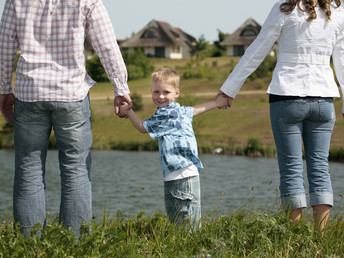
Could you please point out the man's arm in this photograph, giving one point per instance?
(104, 42)
(9, 46)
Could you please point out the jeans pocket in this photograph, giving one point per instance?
(292, 112)
(326, 111)
(69, 112)
(182, 203)
(183, 196)
(26, 111)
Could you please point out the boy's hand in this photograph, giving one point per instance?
(223, 101)
(124, 109)
(119, 100)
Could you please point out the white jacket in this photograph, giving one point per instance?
(304, 52)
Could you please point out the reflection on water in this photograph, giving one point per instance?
(132, 182)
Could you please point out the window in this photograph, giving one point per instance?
(239, 50)
(176, 50)
(249, 33)
(150, 35)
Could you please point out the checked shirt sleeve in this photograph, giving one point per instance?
(8, 47)
(104, 42)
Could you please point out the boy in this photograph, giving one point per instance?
(172, 126)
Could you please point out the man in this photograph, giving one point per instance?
(51, 92)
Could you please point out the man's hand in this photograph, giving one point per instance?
(7, 106)
(118, 102)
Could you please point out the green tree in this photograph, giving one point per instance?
(96, 70)
(218, 49)
(138, 64)
(202, 48)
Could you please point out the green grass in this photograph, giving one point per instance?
(241, 233)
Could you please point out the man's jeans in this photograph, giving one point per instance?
(311, 121)
(71, 122)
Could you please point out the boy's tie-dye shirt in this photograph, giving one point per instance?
(172, 126)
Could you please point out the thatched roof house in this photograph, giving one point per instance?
(237, 42)
(160, 39)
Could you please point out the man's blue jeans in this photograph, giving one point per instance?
(71, 122)
(311, 121)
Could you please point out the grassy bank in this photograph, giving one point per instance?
(239, 234)
(233, 130)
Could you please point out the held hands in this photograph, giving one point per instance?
(223, 101)
(119, 100)
(6, 106)
(124, 109)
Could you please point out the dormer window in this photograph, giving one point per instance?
(249, 32)
(150, 35)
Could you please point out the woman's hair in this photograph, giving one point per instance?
(166, 75)
(289, 6)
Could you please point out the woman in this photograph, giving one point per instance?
(301, 95)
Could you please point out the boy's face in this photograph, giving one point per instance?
(163, 94)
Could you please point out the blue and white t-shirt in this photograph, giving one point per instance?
(172, 126)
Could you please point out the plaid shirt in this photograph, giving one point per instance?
(50, 36)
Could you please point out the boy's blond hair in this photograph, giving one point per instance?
(166, 75)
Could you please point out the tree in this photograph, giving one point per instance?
(218, 49)
(202, 48)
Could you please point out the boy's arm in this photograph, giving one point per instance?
(202, 108)
(136, 121)
(126, 111)
(220, 102)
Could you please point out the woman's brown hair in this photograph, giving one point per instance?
(289, 6)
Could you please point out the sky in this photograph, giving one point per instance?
(195, 17)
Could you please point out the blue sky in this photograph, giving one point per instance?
(196, 17)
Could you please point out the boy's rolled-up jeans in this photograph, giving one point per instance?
(310, 120)
(183, 201)
(71, 122)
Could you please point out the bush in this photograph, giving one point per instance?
(265, 69)
(138, 66)
(188, 100)
(337, 155)
(254, 147)
(201, 71)
(96, 70)
(137, 101)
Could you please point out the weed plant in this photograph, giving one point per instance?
(241, 233)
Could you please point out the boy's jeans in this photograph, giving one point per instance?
(71, 122)
(312, 121)
(183, 201)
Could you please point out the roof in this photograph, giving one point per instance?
(244, 35)
(159, 34)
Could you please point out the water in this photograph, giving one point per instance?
(132, 182)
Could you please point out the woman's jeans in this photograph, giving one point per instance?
(310, 120)
(71, 122)
(183, 201)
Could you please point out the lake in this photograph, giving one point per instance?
(132, 182)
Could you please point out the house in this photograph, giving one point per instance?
(159, 39)
(237, 42)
